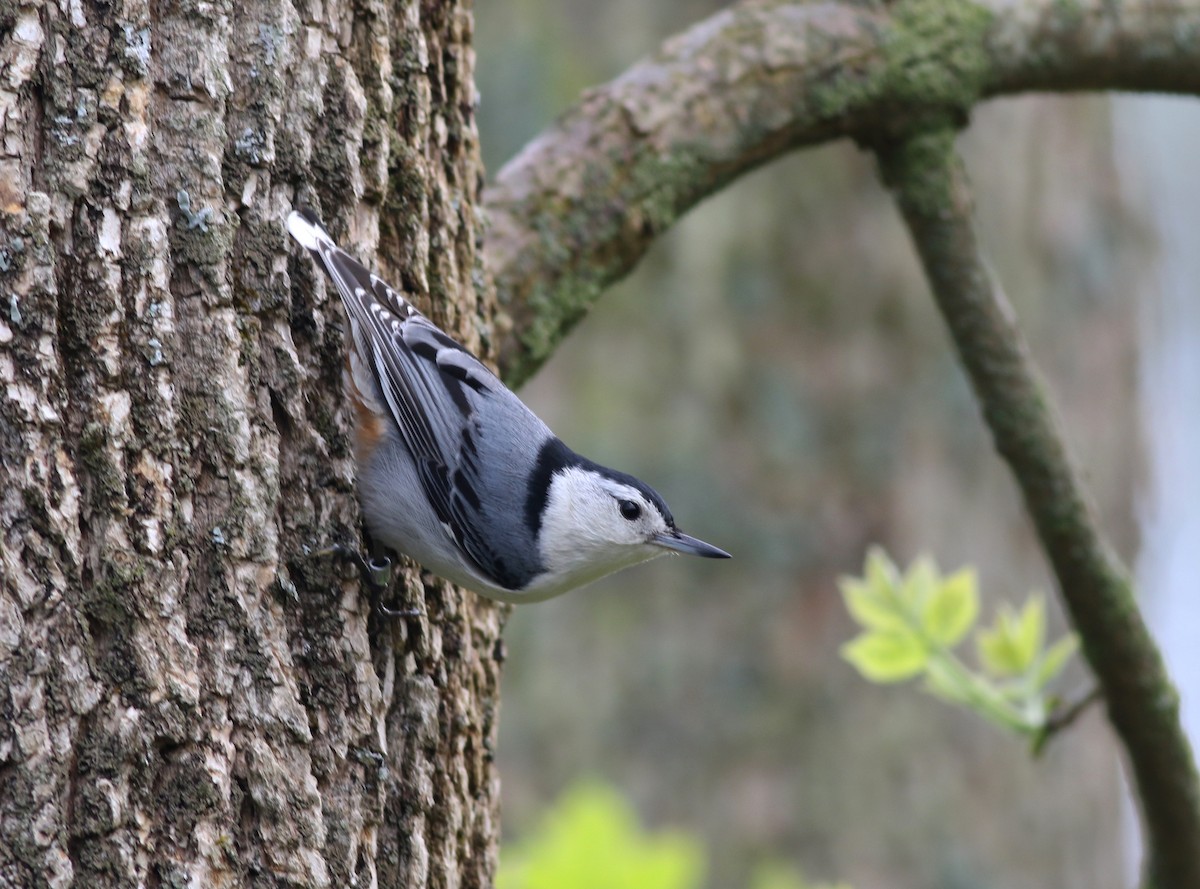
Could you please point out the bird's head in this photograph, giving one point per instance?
(597, 520)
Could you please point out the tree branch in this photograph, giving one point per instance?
(932, 191)
(578, 207)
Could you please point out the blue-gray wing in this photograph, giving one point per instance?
(449, 410)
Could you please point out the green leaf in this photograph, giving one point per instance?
(997, 648)
(1031, 630)
(883, 656)
(919, 584)
(882, 576)
(872, 610)
(951, 609)
(1055, 659)
(591, 839)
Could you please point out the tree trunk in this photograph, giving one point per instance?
(190, 696)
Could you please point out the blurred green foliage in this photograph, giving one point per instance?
(912, 622)
(591, 839)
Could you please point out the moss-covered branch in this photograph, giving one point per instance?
(931, 188)
(578, 208)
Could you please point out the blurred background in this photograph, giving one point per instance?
(777, 370)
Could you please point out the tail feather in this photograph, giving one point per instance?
(306, 228)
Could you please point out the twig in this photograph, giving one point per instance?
(1064, 717)
(931, 188)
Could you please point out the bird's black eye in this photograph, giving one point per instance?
(629, 509)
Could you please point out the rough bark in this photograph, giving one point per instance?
(189, 697)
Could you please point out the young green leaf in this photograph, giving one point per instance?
(919, 584)
(591, 839)
(1055, 658)
(999, 651)
(914, 620)
(951, 609)
(866, 605)
(886, 656)
(882, 576)
(1031, 630)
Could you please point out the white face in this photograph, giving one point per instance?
(593, 525)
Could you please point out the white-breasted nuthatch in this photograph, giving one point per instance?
(456, 472)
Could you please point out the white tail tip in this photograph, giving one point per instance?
(305, 228)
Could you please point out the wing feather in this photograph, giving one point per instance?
(432, 388)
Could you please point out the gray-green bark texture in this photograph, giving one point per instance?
(188, 696)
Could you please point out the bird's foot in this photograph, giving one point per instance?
(376, 574)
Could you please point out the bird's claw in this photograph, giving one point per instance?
(377, 571)
(376, 574)
(387, 611)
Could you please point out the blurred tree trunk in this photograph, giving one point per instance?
(188, 696)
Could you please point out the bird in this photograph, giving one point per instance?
(454, 471)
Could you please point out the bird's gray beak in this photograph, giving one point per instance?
(689, 546)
